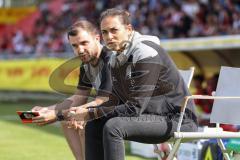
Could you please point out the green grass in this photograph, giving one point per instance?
(27, 141)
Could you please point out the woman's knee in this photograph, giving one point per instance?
(113, 128)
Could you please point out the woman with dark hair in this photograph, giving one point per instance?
(149, 88)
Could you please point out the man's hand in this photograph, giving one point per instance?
(75, 124)
(77, 117)
(46, 116)
(81, 113)
(39, 109)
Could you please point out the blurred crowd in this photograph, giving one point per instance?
(163, 18)
(204, 87)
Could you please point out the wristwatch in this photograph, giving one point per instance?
(60, 116)
(91, 113)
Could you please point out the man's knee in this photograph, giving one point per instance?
(64, 125)
(81, 132)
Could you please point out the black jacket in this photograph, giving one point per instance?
(145, 81)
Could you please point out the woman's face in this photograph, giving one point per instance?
(114, 32)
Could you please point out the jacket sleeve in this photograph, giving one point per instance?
(144, 83)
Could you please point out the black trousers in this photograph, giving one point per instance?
(104, 138)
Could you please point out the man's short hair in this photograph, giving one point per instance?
(82, 24)
(122, 14)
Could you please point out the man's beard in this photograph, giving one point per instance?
(93, 61)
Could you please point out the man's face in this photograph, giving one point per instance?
(84, 45)
(114, 32)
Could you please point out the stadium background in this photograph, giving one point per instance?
(204, 34)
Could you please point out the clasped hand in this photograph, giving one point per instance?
(77, 117)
